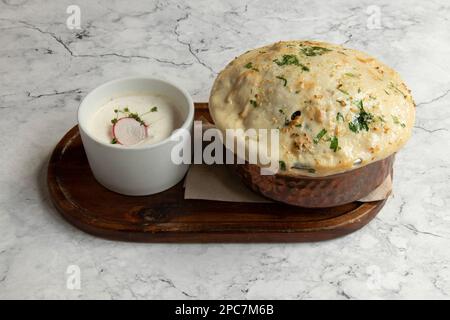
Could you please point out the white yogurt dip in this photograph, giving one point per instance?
(153, 115)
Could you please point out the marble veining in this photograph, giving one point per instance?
(46, 69)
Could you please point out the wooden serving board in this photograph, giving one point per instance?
(168, 217)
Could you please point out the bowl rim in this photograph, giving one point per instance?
(330, 176)
(186, 123)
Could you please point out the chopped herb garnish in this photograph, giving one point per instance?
(287, 60)
(250, 66)
(363, 119)
(113, 141)
(339, 116)
(153, 109)
(281, 111)
(397, 121)
(319, 136)
(134, 115)
(334, 144)
(314, 51)
(393, 86)
(283, 79)
(253, 103)
(290, 59)
(282, 165)
(359, 104)
(349, 74)
(343, 91)
(298, 125)
(353, 127)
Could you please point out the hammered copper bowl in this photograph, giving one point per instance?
(317, 192)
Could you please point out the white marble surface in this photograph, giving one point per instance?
(46, 69)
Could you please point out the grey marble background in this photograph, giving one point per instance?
(46, 68)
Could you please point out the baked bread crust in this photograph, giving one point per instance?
(336, 108)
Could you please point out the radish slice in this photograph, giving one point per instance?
(128, 131)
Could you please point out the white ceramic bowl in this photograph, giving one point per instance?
(140, 170)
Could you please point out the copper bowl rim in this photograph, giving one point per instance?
(331, 176)
(317, 192)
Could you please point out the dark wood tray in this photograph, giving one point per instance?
(168, 217)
